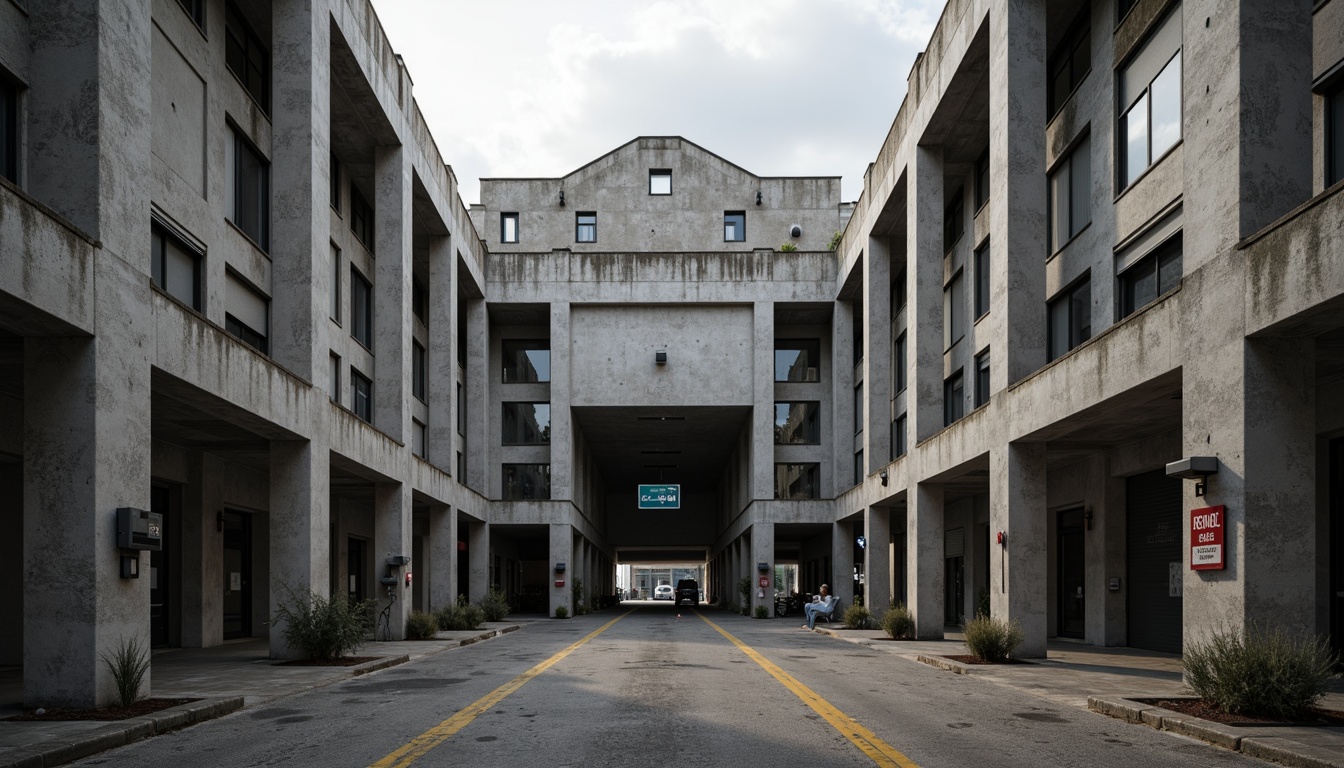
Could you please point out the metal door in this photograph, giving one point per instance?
(1071, 578)
(1153, 529)
(237, 575)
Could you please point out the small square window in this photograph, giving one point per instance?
(527, 481)
(175, 266)
(798, 423)
(734, 226)
(508, 227)
(660, 181)
(797, 359)
(9, 130)
(585, 227)
(526, 424)
(526, 360)
(797, 481)
(419, 371)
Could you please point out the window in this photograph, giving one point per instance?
(461, 468)
(982, 281)
(858, 333)
(195, 11)
(526, 424)
(1150, 101)
(1122, 8)
(527, 361)
(982, 378)
(954, 398)
(585, 227)
(248, 190)
(462, 326)
(900, 363)
(420, 301)
(954, 220)
(418, 438)
(898, 437)
(1070, 62)
(246, 313)
(1071, 195)
(362, 399)
(9, 130)
(660, 181)
(858, 408)
(797, 481)
(898, 297)
(361, 309)
(1151, 276)
(734, 226)
(246, 57)
(334, 171)
(797, 359)
(1334, 135)
(859, 469)
(335, 383)
(1070, 318)
(335, 283)
(982, 180)
(419, 371)
(798, 423)
(508, 227)
(527, 481)
(361, 218)
(175, 266)
(954, 305)
(461, 412)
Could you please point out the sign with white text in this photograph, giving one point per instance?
(660, 497)
(1206, 539)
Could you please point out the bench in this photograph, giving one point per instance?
(829, 617)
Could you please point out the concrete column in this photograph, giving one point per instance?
(441, 431)
(1017, 194)
(735, 571)
(442, 571)
(562, 551)
(842, 563)
(300, 187)
(763, 401)
(300, 533)
(924, 291)
(1109, 517)
(924, 558)
(842, 402)
(201, 553)
(877, 380)
(1017, 578)
(86, 453)
(579, 573)
(763, 551)
(478, 396)
(478, 551)
(392, 536)
(392, 292)
(877, 559)
(562, 437)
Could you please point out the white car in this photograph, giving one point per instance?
(662, 592)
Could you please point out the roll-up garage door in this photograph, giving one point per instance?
(1153, 535)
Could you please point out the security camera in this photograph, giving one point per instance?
(795, 231)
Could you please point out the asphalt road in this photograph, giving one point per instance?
(653, 689)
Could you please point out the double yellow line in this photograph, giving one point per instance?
(880, 752)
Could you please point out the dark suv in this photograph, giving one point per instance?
(688, 591)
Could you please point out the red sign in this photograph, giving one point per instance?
(1206, 539)
(765, 582)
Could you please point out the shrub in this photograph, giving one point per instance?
(1263, 672)
(744, 589)
(561, 612)
(858, 617)
(473, 616)
(129, 662)
(322, 628)
(460, 616)
(421, 626)
(992, 639)
(495, 605)
(762, 612)
(788, 248)
(898, 623)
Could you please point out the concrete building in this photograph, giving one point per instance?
(238, 288)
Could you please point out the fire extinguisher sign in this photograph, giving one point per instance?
(1206, 539)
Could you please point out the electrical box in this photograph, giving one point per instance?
(398, 560)
(139, 529)
(559, 567)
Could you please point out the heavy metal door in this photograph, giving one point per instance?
(1071, 574)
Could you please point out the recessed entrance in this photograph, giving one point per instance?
(1072, 578)
(237, 575)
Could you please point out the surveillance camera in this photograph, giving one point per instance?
(795, 231)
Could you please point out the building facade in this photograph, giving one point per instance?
(238, 288)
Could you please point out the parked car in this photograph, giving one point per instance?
(662, 592)
(688, 592)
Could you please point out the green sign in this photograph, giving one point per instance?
(660, 497)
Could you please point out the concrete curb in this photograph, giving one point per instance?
(117, 734)
(1248, 741)
(377, 664)
(948, 664)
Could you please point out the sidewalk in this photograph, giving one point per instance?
(225, 678)
(1107, 680)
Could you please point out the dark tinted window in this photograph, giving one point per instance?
(526, 360)
(1152, 276)
(247, 57)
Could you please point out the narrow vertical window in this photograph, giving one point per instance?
(334, 168)
(954, 220)
(1070, 189)
(247, 57)
(361, 309)
(461, 412)
(418, 438)
(660, 181)
(858, 408)
(246, 313)
(362, 400)
(361, 218)
(419, 371)
(900, 363)
(249, 190)
(898, 437)
(335, 283)
(1070, 62)
(9, 130)
(1334, 135)
(982, 180)
(1069, 317)
(954, 398)
(335, 376)
(954, 307)
(1150, 100)
(982, 378)
(982, 281)
(508, 227)
(420, 301)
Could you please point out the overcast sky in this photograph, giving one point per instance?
(779, 87)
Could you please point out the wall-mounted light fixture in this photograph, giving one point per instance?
(1197, 468)
(762, 567)
(562, 198)
(883, 477)
(660, 357)
(758, 197)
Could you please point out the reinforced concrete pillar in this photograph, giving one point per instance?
(877, 560)
(441, 431)
(924, 291)
(562, 436)
(842, 562)
(562, 551)
(478, 553)
(392, 537)
(763, 401)
(763, 551)
(442, 570)
(201, 548)
(877, 349)
(392, 292)
(1017, 577)
(924, 558)
(477, 390)
(300, 532)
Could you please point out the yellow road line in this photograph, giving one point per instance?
(877, 750)
(417, 747)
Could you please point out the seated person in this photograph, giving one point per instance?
(821, 604)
